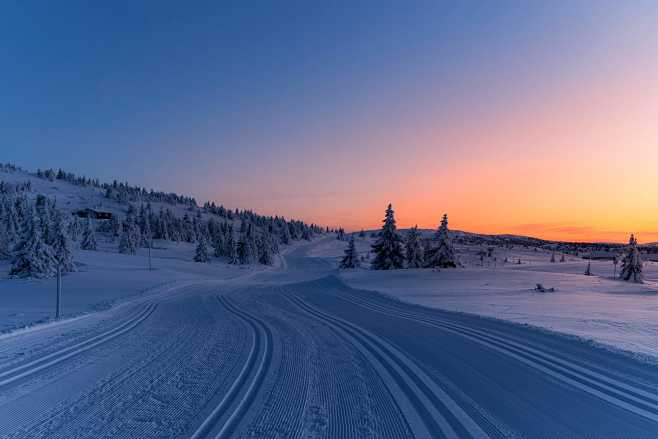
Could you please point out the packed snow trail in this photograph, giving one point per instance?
(296, 353)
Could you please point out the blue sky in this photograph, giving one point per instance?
(284, 106)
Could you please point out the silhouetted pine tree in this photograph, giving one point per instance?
(388, 247)
(443, 256)
(413, 249)
(631, 264)
(351, 257)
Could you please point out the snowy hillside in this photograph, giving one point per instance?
(115, 264)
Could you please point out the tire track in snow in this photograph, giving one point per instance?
(138, 401)
(607, 388)
(428, 409)
(24, 370)
(261, 347)
(335, 393)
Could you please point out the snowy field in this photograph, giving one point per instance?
(104, 278)
(598, 308)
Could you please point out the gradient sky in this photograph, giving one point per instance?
(538, 118)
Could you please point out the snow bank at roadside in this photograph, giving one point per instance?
(601, 309)
(104, 278)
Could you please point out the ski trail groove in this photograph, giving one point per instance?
(261, 344)
(30, 368)
(427, 407)
(622, 395)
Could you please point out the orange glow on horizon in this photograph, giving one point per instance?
(580, 166)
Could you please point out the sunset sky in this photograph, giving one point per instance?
(536, 118)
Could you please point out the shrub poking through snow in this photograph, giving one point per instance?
(351, 258)
(631, 264)
(388, 247)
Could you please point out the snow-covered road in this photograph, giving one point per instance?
(296, 353)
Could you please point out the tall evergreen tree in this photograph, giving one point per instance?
(128, 241)
(61, 245)
(88, 237)
(232, 246)
(351, 257)
(443, 256)
(147, 233)
(32, 256)
(202, 254)
(388, 247)
(5, 244)
(265, 256)
(631, 264)
(413, 249)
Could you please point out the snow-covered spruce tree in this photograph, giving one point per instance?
(631, 264)
(219, 244)
(233, 257)
(88, 237)
(6, 241)
(414, 249)
(11, 224)
(147, 234)
(265, 254)
(128, 240)
(388, 247)
(32, 256)
(201, 254)
(351, 257)
(61, 245)
(246, 247)
(443, 256)
(5, 245)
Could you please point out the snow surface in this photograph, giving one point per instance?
(598, 308)
(292, 351)
(301, 349)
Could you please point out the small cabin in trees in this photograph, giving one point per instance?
(93, 214)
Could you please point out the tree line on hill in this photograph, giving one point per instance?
(37, 236)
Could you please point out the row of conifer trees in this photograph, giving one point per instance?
(37, 236)
(392, 251)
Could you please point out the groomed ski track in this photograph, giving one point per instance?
(296, 353)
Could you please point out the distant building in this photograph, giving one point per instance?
(94, 214)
